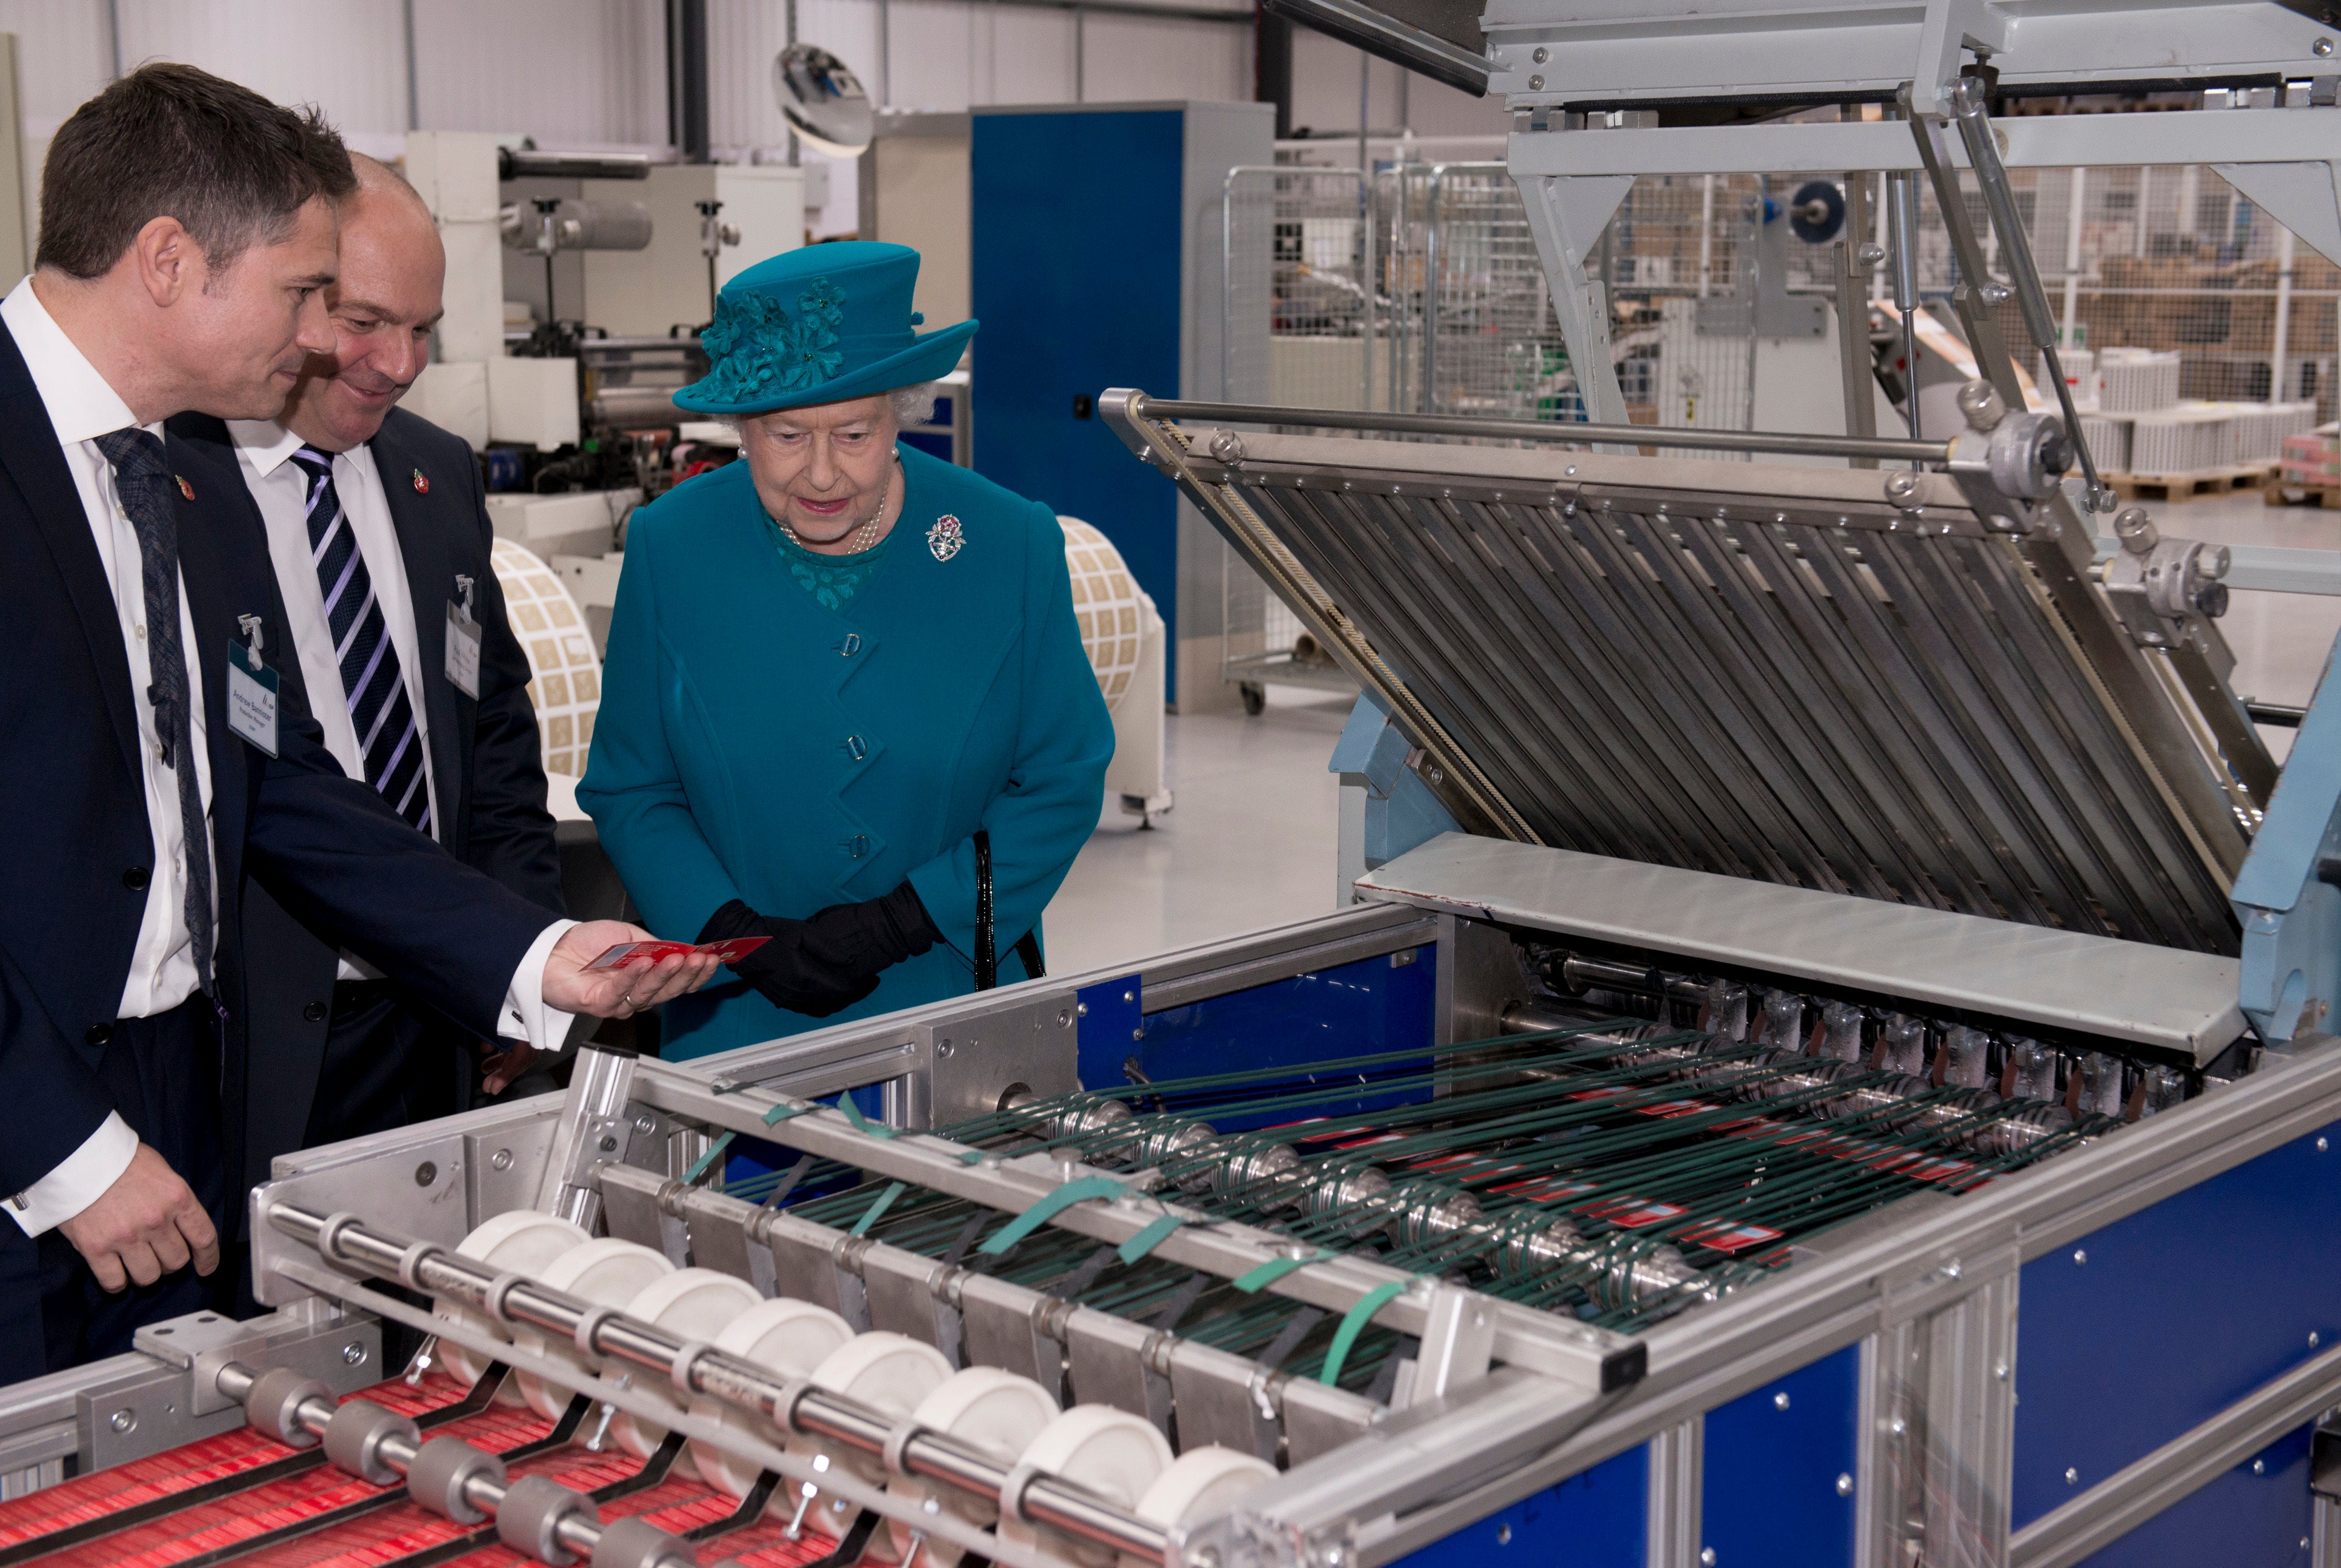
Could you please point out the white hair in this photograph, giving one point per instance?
(912, 405)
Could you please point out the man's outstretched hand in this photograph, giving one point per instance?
(147, 1225)
(615, 993)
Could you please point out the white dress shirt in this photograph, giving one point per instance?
(82, 406)
(265, 449)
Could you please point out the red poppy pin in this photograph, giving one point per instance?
(421, 485)
(184, 488)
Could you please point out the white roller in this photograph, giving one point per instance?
(523, 1242)
(1205, 1481)
(608, 1273)
(1111, 1452)
(986, 1408)
(692, 1304)
(781, 1335)
(564, 682)
(891, 1373)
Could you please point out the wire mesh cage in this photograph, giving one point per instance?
(2197, 333)
(1301, 256)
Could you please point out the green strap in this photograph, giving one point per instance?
(1353, 1323)
(1048, 1209)
(782, 1113)
(862, 1124)
(698, 1166)
(1153, 1236)
(870, 1215)
(1276, 1268)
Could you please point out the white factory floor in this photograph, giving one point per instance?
(1250, 843)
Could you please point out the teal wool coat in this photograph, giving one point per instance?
(754, 744)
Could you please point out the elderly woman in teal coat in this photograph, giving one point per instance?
(841, 673)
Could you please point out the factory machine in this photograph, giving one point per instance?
(1852, 1088)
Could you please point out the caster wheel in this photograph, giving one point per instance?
(1255, 697)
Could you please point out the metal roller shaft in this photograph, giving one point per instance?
(1896, 1103)
(1624, 1272)
(348, 1241)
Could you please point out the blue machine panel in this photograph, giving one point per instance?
(1374, 1005)
(2177, 1312)
(1074, 273)
(1773, 1460)
(2244, 1519)
(1595, 1519)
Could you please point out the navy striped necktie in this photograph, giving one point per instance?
(379, 706)
(144, 486)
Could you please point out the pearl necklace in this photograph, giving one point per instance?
(863, 537)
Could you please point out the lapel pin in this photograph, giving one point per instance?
(945, 538)
(421, 485)
(184, 488)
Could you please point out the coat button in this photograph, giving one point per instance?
(98, 1033)
(856, 748)
(135, 878)
(858, 846)
(850, 646)
(314, 1012)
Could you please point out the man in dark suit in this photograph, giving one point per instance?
(149, 764)
(383, 511)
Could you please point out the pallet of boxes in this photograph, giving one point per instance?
(2310, 473)
(2151, 444)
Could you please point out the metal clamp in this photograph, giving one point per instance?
(421, 1253)
(589, 1326)
(530, 1517)
(356, 1435)
(679, 1372)
(493, 1302)
(896, 1440)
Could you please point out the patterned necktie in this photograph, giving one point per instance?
(146, 490)
(379, 706)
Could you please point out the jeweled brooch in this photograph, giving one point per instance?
(945, 538)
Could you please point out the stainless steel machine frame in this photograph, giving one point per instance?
(1927, 1289)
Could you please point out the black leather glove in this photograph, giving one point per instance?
(820, 966)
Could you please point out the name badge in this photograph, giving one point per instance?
(251, 698)
(462, 651)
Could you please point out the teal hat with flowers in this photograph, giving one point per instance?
(825, 324)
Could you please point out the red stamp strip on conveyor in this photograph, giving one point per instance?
(402, 1528)
(676, 1504)
(184, 1468)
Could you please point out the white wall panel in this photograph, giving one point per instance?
(346, 56)
(570, 73)
(1032, 55)
(1325, 95)
(934, 41)
(1136, 58)
(63, 55)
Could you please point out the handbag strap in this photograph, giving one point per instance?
(986, 963)
(987, 959)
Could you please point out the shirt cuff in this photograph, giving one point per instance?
(79, 1182)
(524, 1015)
